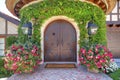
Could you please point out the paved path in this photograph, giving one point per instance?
(79, 73)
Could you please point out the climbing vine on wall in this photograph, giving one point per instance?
(81, 12)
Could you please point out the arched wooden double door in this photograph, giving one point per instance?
(60, 42)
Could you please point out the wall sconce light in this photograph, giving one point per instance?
(27, 28)
(92, 28)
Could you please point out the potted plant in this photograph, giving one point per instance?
(96, 58)
(22, 58)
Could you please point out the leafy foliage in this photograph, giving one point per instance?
(115, 75)
(96, 56)
(22, 58)
(10, 40)
(81, 12)
(3, 71)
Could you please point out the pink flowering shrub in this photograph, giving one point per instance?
(97, 57)
(22, 60)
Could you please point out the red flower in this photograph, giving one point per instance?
(110, 55)
(98, 56)
(19, 53)
(22, 49)
(26, 57)
(98, 64)
(33, 51)
(102, 61)
(16, 59)
(83, 51)
(14, 47)
(9, 55)
(81, 58)
(14, 66)
(84, 62)
(90, 52)
(96, 50)
(88, 65)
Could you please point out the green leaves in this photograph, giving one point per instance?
(81, 12)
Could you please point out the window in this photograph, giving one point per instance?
(114, 16)
(2, 46)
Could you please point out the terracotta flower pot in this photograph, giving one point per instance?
(93, 70)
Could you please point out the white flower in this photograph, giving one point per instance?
(112, 67)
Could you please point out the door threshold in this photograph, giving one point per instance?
(60, 62)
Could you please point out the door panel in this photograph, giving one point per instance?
(51, 47)
(60, 42)
(68, 42)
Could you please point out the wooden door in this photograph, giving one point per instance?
(60, 42)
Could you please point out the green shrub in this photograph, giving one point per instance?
(10, 40)
(3, 71)
(115, 75)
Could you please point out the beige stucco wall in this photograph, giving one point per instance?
(2, 26)
(12, 28)
(113, 40)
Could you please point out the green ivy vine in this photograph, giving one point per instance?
(81, 12)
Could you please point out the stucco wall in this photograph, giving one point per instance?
(113, 40)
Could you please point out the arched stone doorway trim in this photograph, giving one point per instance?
(54, 18)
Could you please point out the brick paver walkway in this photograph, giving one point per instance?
(79, 73)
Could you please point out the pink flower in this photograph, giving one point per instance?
(110, 55)
(90, 52)
(38, 62)
(14, 47)
(105, 49)
(16, 59)
(112, 60)
(18, 72)
(89, 57)
(6, 66)
(96, 50)
(98, 56)
(14, 66)
(81, 58)
(82, 50)
(9, 55)
(88, 65)
(26, 57)
(98, 64)
(19, 53)
(102, 61)
(22, 49)
(84, 62)
(33, 51)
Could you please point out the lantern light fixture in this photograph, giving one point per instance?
(27, 28)
(92, 28)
